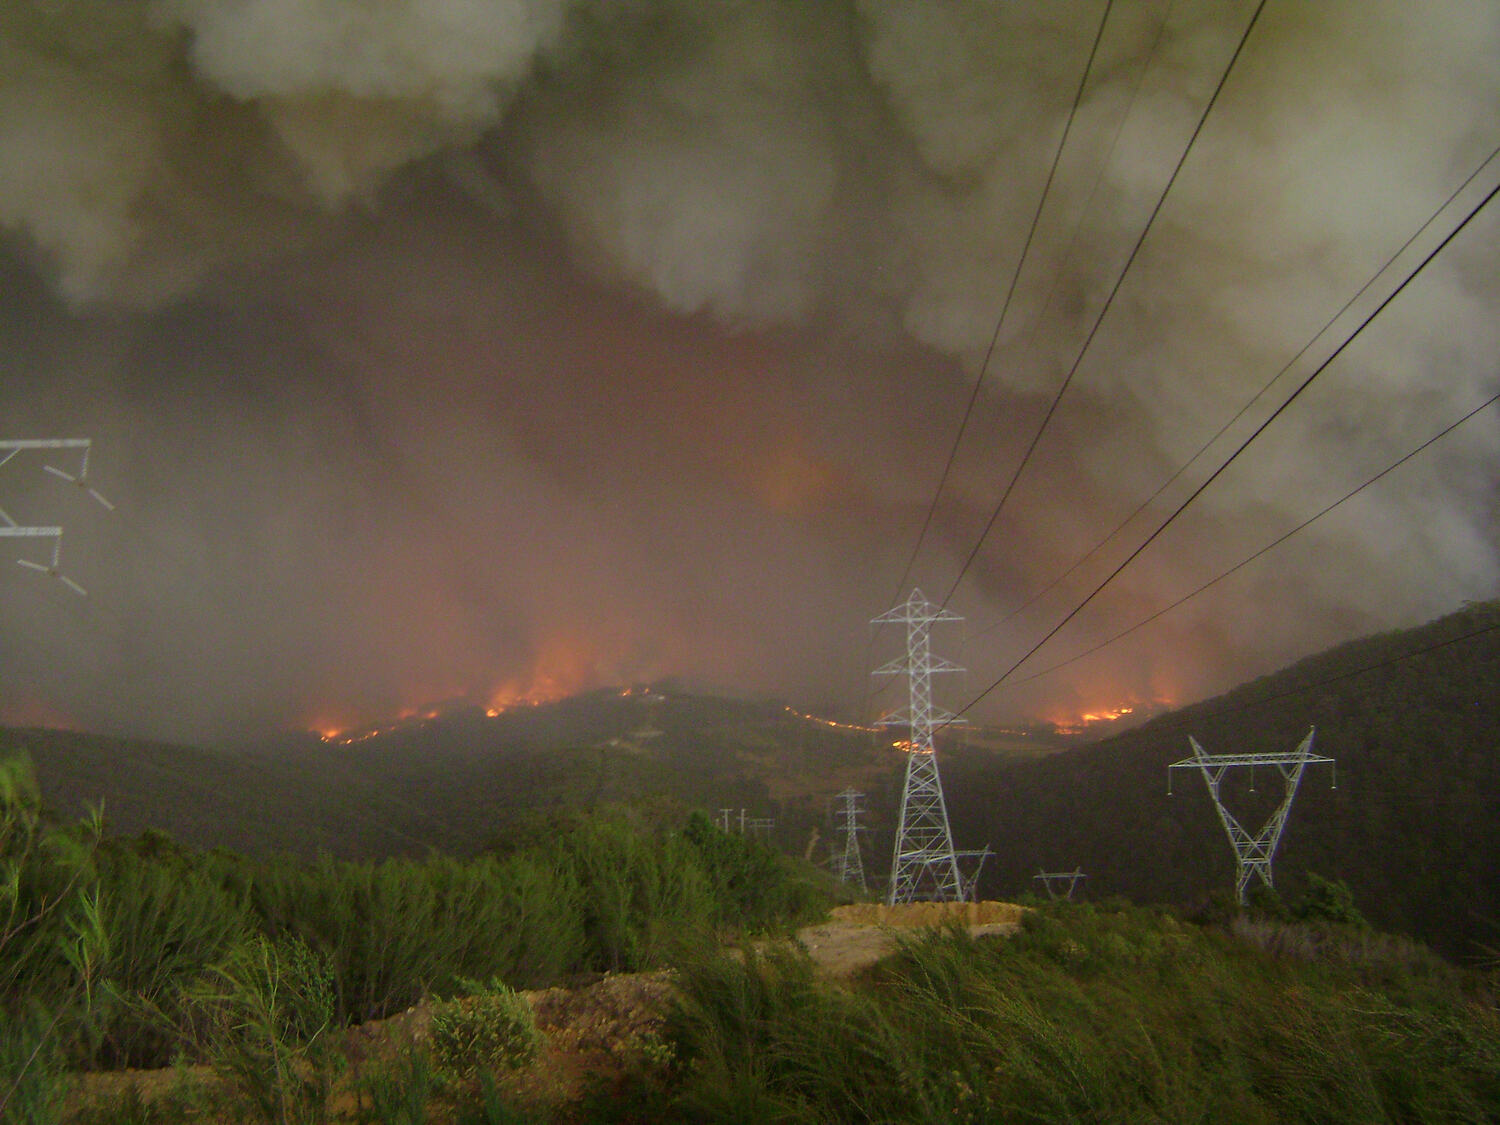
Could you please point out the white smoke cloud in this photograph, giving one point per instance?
(656, 270)
(356, 91)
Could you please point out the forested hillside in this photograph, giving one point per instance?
(458, 781)
(1413, 721)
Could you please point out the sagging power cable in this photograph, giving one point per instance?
(1222, 430)
(1010, 293)
(1278, 541)
(1108, 303)
(1397, 291)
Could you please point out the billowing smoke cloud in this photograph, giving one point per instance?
(472, 349)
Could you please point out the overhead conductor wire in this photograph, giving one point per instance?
(1242, 447)
(1204, 448)
(995, 336)
(1108, 303)
(1005, 306)
(1278, 541)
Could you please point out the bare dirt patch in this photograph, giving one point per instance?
(858, 935)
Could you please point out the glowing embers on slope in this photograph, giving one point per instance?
(1097, 719)
(907, 746)
(830, 723)
(502, 702)
(413, 717)
(404, 720)
(510, 697)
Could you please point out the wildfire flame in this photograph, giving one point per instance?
(831, 723)
(907, 746)
(563, 668)
(1084, 721)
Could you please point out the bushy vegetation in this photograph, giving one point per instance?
(1089, 1014)
(143, 953)
(492, 1027)
(136, 953)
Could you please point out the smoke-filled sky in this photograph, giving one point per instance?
(478, 349)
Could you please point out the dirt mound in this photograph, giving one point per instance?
(929, 914)
(860, 934)
(624, 1008)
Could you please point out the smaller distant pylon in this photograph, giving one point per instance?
(850, 866)
(1060, 884)
(1252, 853)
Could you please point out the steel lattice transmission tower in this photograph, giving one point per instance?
(850, 866)
(1060, 884)
(923, 864)
(10, 529)
(1252, 852)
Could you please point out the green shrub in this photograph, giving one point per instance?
(268, 1012)
(643, 898)
(1330, 901)
(1087, 1014)
(32, 1080)
(52, 942)
(399, 1092)
(397, 930)
(488, 1031)
(753, 885)
(168, 920)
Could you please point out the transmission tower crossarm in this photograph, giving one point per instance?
(1253, 851)
(900, 666)
(1212, 760)
(1201, 758)
(10, 528)
(18, 444)
(915, 610)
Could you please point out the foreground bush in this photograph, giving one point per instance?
(491, 1029)
(266, 1028)
(113, 948)
(1085, 1015)
(52, 943)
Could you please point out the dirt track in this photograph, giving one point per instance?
(859, 935)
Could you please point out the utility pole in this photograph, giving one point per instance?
(923, 864)
(1252, 853)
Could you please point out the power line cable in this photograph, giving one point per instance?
(1243, 446)
(995, 336)
(1108, 303)
(1050, 586)
(1264, 550)
(1005, 305)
